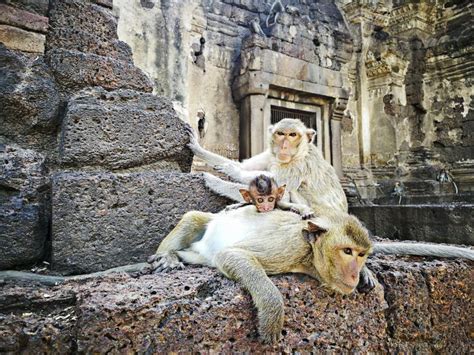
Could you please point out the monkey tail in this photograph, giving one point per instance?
(424, 249)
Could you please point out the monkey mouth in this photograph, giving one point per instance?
(284, 158)
(344, 287)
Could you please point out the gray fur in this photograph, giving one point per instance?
(424, 249)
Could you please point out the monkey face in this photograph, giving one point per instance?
(340, 253)
(286, 142)
(265, 203)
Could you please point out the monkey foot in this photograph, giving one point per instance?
(164, 262)
(367, 281)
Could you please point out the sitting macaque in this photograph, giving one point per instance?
(266, 195)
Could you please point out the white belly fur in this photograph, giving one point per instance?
(229, 228)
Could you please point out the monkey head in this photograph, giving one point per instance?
(340, 249)
(290, 139)
(263, 192)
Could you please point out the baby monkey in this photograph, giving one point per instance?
(266, 195)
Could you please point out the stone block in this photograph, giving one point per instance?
(21, 40)
(24, 19)
(85, 27)
(75, 70)
(105, 220)
(23, 233)
(29, 97)
(23, 215)
(37, 6)
(122, 129)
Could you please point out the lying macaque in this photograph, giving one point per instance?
(266, 195)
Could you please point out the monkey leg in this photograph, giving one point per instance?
(243, 267)
(190, 228)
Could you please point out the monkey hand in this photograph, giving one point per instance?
(367, 281)
(193, 140)
(232, 170)
(270, 322)
(164, 262)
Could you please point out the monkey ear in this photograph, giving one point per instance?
(281, 191)
(246, 195)
(313, 231)
(311, 134)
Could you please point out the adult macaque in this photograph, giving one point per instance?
(264, 193)
(291, 158)
(246, 246)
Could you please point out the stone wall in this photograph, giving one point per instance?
(88, 154)
(412, 103)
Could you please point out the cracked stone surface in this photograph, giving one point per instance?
(421, 305)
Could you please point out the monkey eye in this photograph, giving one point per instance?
(292, 134)
(271, 199)
(280, 133)
(347, 251)
(259, 200)
(362, 254)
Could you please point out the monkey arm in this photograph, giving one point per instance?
(224, 188)
(424, 249)
(190, 228)
(236, 205)
(303, 210)
(239, 265)
(209, 157)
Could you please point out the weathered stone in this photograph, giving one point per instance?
(23, 215)
(85, 27)
(441, 223)
(197, 310)
(122, 129)
(19, 18)
(18, 39)
(28, 95)
(106, 220)
(38, 6)
(75, 70)
(23, 233)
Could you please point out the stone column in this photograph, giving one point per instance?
(338, 111)
(252, 123)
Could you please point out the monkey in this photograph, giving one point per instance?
(256, 28)
(275, 10)
(247, 246)
(291, 158)
(264, 193)
(399, 190)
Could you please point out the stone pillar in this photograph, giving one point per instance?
(326, 135)
(338, 111)
(252, 125)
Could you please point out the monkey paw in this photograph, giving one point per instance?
(229, 169)
(367, 281)
(193, 140)
(303, 211)
(164, 262)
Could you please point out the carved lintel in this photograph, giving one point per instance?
(412, 18)
(360, 11)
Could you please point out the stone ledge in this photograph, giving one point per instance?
(425, 306)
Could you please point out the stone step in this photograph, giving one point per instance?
(104, 220)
